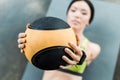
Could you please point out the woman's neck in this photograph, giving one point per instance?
(79, 37)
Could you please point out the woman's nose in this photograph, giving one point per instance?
(78, 15)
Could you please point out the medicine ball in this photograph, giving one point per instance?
(45, 42)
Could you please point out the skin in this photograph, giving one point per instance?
(78, 18)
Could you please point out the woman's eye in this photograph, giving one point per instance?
(84, 13)
(73, 10)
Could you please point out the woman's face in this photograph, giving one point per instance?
(78, 15)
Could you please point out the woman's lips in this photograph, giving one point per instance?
(75, 22)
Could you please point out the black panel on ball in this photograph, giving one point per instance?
(49, 23)
(50, 58)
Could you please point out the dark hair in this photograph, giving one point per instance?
(90, 5)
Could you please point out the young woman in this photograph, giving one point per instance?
(80, 14)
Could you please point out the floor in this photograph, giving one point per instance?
(13, 17)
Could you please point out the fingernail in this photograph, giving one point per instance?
(71, 43)
(66, 49)
(63, 57)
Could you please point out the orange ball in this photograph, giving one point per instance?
(45, 42)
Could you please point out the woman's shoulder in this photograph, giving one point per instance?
(94, 47)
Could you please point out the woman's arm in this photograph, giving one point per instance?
(92, 51)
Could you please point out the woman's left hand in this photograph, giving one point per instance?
(76, 55)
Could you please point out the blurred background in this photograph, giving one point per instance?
(14, 14)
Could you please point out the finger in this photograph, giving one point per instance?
(78, 40)
(21, 40)
(72, 55)
(22, 51)
(21, 35)
(21, 46)
(28, 25)
(76, 49)
(70, 62)
(65, 67)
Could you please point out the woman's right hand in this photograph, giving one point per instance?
(21, 40)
